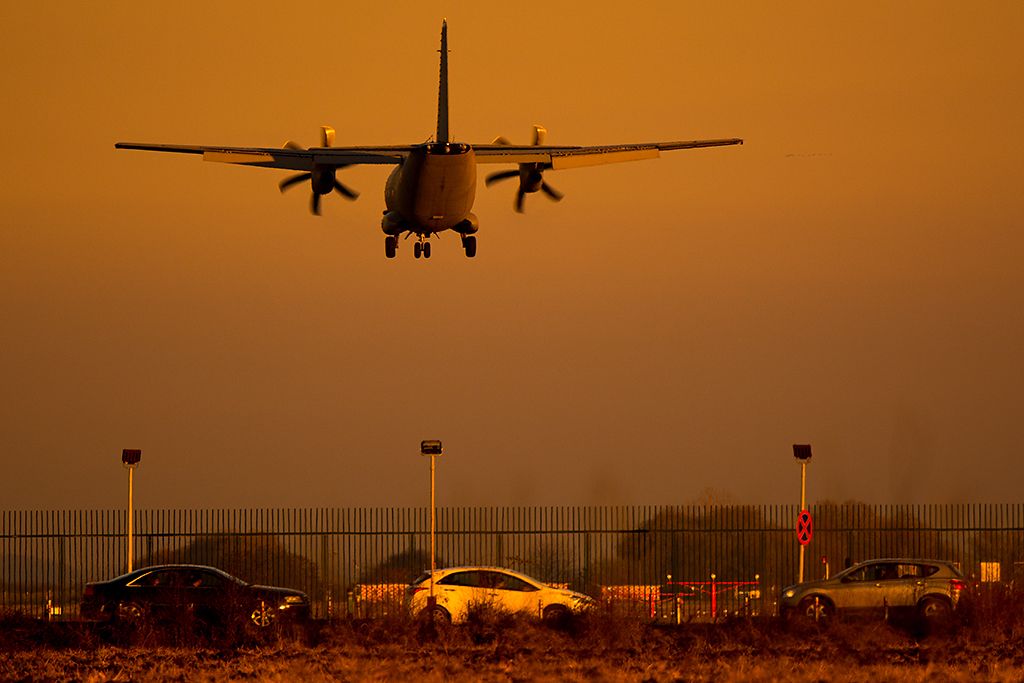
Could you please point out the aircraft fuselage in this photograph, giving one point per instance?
(432, 190)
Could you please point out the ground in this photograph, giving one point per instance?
(508, 648)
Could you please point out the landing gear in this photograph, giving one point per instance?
(469, 244)
(421, 248)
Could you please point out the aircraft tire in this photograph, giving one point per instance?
(470, 244)
(417, 249)
(426, 250)
(390, 246)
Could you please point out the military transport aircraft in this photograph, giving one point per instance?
(433, 184)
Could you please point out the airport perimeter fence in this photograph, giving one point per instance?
(682, 562)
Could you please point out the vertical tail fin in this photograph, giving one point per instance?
(442, 90)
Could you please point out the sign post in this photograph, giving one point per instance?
(802, 452)
(130, 458)
(432, 449)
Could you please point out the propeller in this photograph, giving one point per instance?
(322, 178)
(531, 175)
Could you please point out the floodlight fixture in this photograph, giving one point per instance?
(802, 451)
(130, 458)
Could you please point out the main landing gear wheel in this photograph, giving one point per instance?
(426, 250)
(469, 244)
(390, 246)
(417, 249)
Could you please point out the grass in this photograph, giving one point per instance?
(495, 646)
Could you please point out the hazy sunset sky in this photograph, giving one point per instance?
(851, 277)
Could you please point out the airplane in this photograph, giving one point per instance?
(433, 185)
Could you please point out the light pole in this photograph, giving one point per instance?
(130, 458)
(432, 449)
(802, 452)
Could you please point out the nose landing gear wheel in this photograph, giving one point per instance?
(469, 244)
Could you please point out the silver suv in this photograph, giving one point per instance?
(929, 589)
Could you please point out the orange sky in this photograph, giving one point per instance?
(851, 277)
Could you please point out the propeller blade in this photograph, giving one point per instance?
(551, 192)
(292, 180)
(519, 200)
(314, 204)
(500, 175)
(501, 140)
(345, 191)
(291, 144)
(326, 136)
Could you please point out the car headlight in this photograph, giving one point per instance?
(790, 593)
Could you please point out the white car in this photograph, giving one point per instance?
(458, 589)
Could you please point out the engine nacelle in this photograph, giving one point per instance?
(392, 223)
(531, 176)
(468, 226)
(322, 179)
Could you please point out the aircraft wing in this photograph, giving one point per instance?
(573, 157)
(287, 157)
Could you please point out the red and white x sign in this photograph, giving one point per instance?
(804, 527)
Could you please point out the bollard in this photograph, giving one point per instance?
(714, 599)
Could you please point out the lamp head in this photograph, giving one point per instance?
(431, 447)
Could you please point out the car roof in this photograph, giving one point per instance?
(905, 560)
(161, 567)
(477, 568)
(153, 567)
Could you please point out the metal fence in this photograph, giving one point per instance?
(704, 561)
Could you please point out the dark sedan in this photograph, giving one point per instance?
(169, 593)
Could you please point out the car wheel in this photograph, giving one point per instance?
(438, 615)
(815, 608)
(555, 614)
(934, 610)
(262, 615)
(131, 612)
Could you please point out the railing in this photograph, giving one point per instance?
(337, 555)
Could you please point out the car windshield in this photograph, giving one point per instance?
(849, 570)
(420, 579)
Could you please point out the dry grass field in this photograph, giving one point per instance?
(988, 646)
